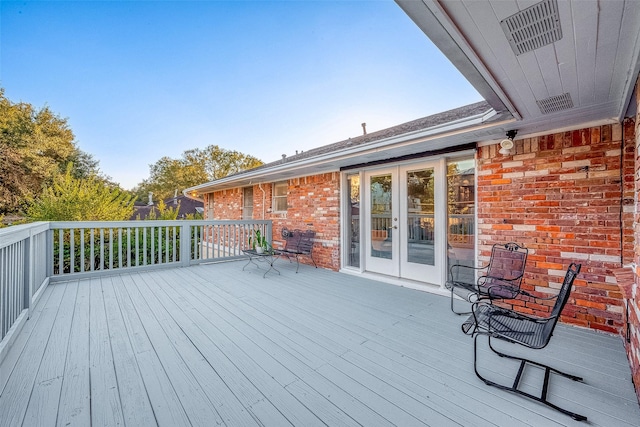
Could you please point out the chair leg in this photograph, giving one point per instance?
(514, 388)
(298, 261)
(541, 365)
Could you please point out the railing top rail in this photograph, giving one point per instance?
(146, 223)
(16, 233)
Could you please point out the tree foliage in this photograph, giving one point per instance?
(34, 146)
(194, 167)
(85, 199)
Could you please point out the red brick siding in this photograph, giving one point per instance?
(560, 196)
(631, 286)
(227, 204)
(313, 203)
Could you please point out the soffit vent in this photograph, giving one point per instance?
(555, 103)
(533, 27)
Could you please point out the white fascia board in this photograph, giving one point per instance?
(456, 127)
(583, 125)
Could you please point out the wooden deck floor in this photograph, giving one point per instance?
(215, 345)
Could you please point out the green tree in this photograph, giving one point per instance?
(34, 146)
(89, 199)
(194, 167)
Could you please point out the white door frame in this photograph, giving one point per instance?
(398, 265)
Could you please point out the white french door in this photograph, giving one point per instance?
(404, 224)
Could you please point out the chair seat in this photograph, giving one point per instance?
(505, 324)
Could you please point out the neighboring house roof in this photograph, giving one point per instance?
(187, 205)
(581, 73)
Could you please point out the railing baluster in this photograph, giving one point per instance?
(101, 249)
(207, 231)
(175, 238)
(196, 240)
(128, 246)
(10, 298)
(110, 248)
(119, 247)
(137, 245)
(72, 251)
(82, 256)
(166, 239)
(3, 286)
(60, 251)
(92, 254)
(152, 244)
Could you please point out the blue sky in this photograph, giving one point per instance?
(139, 80)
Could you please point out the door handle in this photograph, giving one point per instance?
(395, 227)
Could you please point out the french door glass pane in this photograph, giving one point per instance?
(420, 216)
(353, 221)
(381, 197)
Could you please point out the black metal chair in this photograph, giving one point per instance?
(500, 279)
(507, 325)
(298, 243)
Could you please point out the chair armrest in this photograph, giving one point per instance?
(455, 267)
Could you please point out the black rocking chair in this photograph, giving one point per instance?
(298, 243)
(500, 279)
(507, 325)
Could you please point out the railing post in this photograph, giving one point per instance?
(49, 252)
(269, 228)
(185, 245)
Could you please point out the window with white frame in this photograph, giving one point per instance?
(247, 203)
(280, 196)
(210, 206)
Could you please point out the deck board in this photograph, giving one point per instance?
(75, 398)
(43, 404)
(215, 345)
(167, 408)
(15, 396)
(106, 408)
(136, 408)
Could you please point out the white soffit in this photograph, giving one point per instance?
(588, 61)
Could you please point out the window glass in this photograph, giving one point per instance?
(280, 196)
(461, 209)
(353, 221)
(247, 203)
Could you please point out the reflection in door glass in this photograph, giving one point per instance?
(461, 212)
(381, 227)
(353, 222)
(420, 216)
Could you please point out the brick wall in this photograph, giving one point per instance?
(227, 204)
(560, 196)
(631, 284)
(314, 203)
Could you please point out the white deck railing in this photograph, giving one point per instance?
(33, 255)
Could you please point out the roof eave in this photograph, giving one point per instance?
(488, 120)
